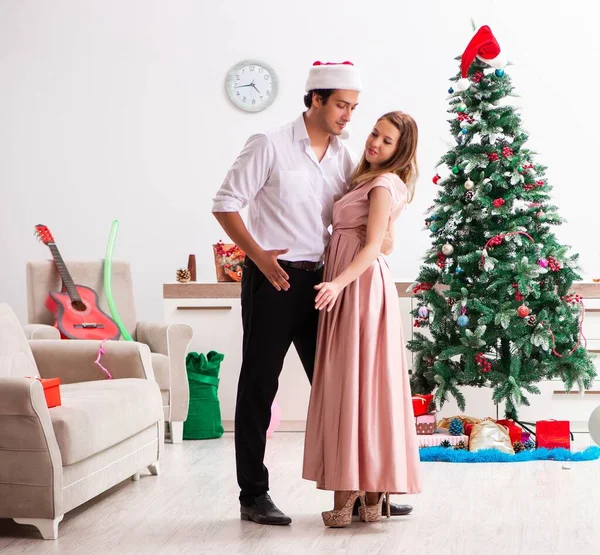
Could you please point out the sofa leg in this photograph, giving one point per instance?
(48, 527)
(154, 469)
(176, 432)
(136, 477)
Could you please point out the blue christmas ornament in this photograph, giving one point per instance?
(450, 90)
(458, 270)
(464, 131)
(433, 228)
(499, 73)
(463, 321)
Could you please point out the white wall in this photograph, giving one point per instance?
(116, 110)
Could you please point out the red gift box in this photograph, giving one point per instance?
(515, 432)
(51, 391)
(552, 434)
(421, 404)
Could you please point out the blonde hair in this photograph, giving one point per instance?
(403, 163)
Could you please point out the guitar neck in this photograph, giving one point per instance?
(64, 273)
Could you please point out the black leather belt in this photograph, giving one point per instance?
(302, 265)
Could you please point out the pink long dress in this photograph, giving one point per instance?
(360, 430)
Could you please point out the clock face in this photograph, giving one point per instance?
(251, 86)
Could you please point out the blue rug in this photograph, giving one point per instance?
(442, 454)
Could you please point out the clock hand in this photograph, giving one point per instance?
(253, 85)
(242, 86)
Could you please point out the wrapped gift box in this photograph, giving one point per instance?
(436, 439)
(51, 390)
(552, 434)
(421, 404)
(426, 424)
(514, 431)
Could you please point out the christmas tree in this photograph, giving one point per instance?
(494, 287)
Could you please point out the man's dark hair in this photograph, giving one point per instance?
(323, 93)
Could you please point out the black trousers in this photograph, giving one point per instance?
(272, 321)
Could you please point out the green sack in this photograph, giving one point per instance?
(204, 416)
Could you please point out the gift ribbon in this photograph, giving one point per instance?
(101, 351)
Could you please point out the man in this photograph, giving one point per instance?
(290, 178)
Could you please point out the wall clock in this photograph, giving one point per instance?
(251, 85)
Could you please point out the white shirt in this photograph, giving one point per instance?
(289, 193)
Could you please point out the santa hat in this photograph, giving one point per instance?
(333, 76)
(484, 46)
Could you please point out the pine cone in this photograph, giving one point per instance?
(445, 444)
(531, 320)
(461, 445)
(518, 446)
(456, 427)
(183, 275)
(469, 195)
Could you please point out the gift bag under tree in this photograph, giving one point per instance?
(204, 416)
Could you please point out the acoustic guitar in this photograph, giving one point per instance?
(75, 308)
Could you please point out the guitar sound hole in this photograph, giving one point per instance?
(78, 305)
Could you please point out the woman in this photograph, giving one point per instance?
(360, 433)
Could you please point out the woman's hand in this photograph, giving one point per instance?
(328, 293)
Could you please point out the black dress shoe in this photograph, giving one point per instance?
(395, 510)
(264, 511)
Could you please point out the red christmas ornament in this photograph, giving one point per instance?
(498, 202)
(441, 260)
(495, 241)
(523, 311)
(478, 77)
(493, 157)
(573, 298)
(553, 264)
(483, 362)
(436, 178)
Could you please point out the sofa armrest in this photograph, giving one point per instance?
(30, 460)
(171, 340)
(40, 331)
(73, 361)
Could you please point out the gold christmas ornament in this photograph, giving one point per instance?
(447, 249)
(469, 185)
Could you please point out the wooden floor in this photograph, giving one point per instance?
(527, 508)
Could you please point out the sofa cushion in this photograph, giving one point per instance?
(97, 415)
(161, 369)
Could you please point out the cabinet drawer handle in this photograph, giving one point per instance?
(224, 307)
(587, 392)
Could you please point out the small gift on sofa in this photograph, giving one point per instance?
(552, 434)
(51, 390)
(426, 424)
(421, 404)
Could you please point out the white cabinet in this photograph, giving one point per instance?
(217, 325)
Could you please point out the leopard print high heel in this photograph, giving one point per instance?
(338, 518)
(372, 513)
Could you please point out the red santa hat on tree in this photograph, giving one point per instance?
(330, 75)
(484, 46)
